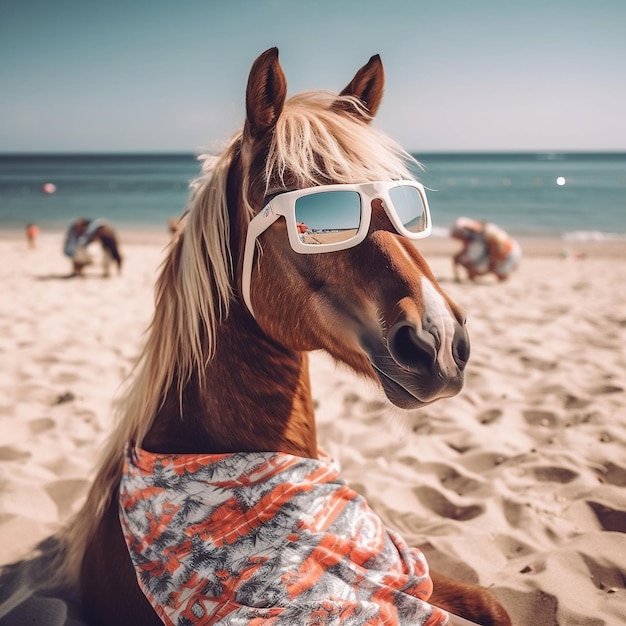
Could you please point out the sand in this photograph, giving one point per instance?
(518, 483)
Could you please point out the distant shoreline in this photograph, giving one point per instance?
(573, 198)
(549, 247)
(619, 154)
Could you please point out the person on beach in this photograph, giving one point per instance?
(32, 232)
(173, 225)
(487, 248)
(80, 234)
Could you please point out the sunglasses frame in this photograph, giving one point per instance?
(284, 205)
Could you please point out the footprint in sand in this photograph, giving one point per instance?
(482, 461)
(554, 474)
(604, 578)
(514, 512)
(489, 416)
(451, 479)
(610, 519)
(613, 474)
(439, 504)
(40, 425)
(67, 396)
(9, 453)
(539, 364)
(511, 547)
(604, 389)
(535, 606)
(64, 378)
(574, 402)
(540, 418)
(569, 400)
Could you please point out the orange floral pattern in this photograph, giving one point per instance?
(265, 539)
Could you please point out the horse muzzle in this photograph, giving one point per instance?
(423, 359)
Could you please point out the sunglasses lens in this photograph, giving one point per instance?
(328, 217)
(410, 208)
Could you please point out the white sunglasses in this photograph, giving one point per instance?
(337, 217)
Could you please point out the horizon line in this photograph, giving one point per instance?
(474, 152)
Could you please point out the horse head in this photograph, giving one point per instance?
(375, 306)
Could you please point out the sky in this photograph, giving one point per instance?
(461, 75)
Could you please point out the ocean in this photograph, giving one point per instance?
(564, 195)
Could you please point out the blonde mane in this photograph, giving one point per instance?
(319, 138)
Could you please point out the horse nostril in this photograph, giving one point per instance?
(410, 349)
(461, 348)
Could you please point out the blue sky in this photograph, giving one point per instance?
(139, 75)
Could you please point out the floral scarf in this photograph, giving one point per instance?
(265, 538)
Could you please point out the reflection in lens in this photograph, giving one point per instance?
(328, 216)
(408, 205)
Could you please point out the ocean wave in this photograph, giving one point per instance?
(593, 235)
(440, 231)
(571, 236)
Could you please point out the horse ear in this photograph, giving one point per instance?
(265, 94)
(367, 85)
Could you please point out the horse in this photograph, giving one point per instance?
(83, 232)
(220, 400)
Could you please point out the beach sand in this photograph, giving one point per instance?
(518, 483)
